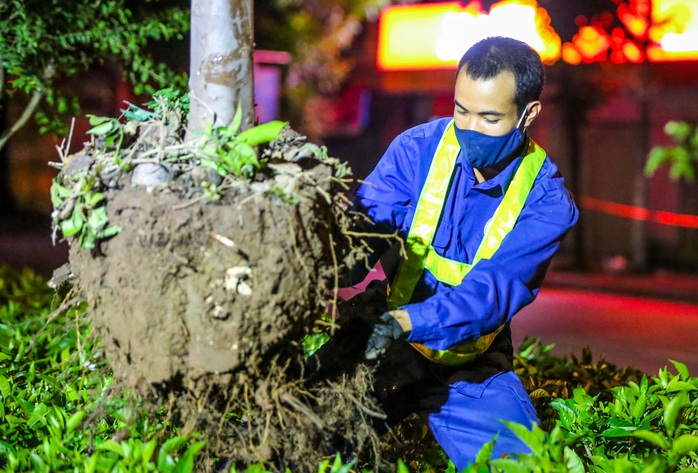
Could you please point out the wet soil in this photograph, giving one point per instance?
(191, 287)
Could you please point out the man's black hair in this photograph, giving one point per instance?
(489, 57)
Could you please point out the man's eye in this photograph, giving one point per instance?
(492, 121)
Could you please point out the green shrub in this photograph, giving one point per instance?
(59, 412)
(645, 426)
(547, 377)
(56, 412)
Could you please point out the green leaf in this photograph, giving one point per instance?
(451, 468)
(111, 446)
(148, 450)
(534, 437)
(74, 421)
(263, 133)
(401, 467)
(94, 198)
(573, 462)
(679, 131)
(322, 467)
(73, 225)
(237, 120)
(618, 431)
(485, 452)
(5, 387)
(653, 437)
(108, 232)
(136, 113)
(339, 467)
(655, 159)
(682, 168)
(97, 219)
(683, 445)
(681, 369)
(97, 120)
(256, 468)
(58, 194)
(103, 129)
(672, 411)
(510, 466)
(165, 461)
(186, 462)
(640, 407)
(38, 463)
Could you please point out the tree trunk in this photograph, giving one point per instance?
(221, 67)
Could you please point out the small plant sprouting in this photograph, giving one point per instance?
(154, 134)
(231, 151)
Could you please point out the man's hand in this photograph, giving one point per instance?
(384, 331)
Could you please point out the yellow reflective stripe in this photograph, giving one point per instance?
(446, 270)
(508, 211)
(460, 354)
(451, 271)
(426, 219)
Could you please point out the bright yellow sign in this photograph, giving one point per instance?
(435, 35)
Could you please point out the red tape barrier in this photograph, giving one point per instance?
(638, 213)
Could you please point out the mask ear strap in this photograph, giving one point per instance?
(523, 115)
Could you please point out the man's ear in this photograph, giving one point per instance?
(533, 111)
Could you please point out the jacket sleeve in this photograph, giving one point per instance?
(496, 289)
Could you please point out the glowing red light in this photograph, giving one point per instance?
(660, 30)
(639, 213)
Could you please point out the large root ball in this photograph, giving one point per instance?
(192, 286)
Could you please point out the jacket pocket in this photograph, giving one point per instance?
(442, 238)
(474, 390)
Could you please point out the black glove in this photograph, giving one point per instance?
(384, 331)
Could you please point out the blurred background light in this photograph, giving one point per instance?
(435, 35)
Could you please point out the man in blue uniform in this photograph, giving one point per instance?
(482, 210)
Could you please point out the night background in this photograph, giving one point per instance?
(619, 119)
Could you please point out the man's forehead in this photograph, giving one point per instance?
(500, 89)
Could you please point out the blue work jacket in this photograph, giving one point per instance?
(495, 289)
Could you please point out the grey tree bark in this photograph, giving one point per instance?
(221, 68)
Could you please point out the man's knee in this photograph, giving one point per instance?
(473, 415)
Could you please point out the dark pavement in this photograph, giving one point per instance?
(626, 330)
(661, 284)
(639, 320)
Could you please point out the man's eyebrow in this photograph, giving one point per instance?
(458, 104)
(486, 112)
